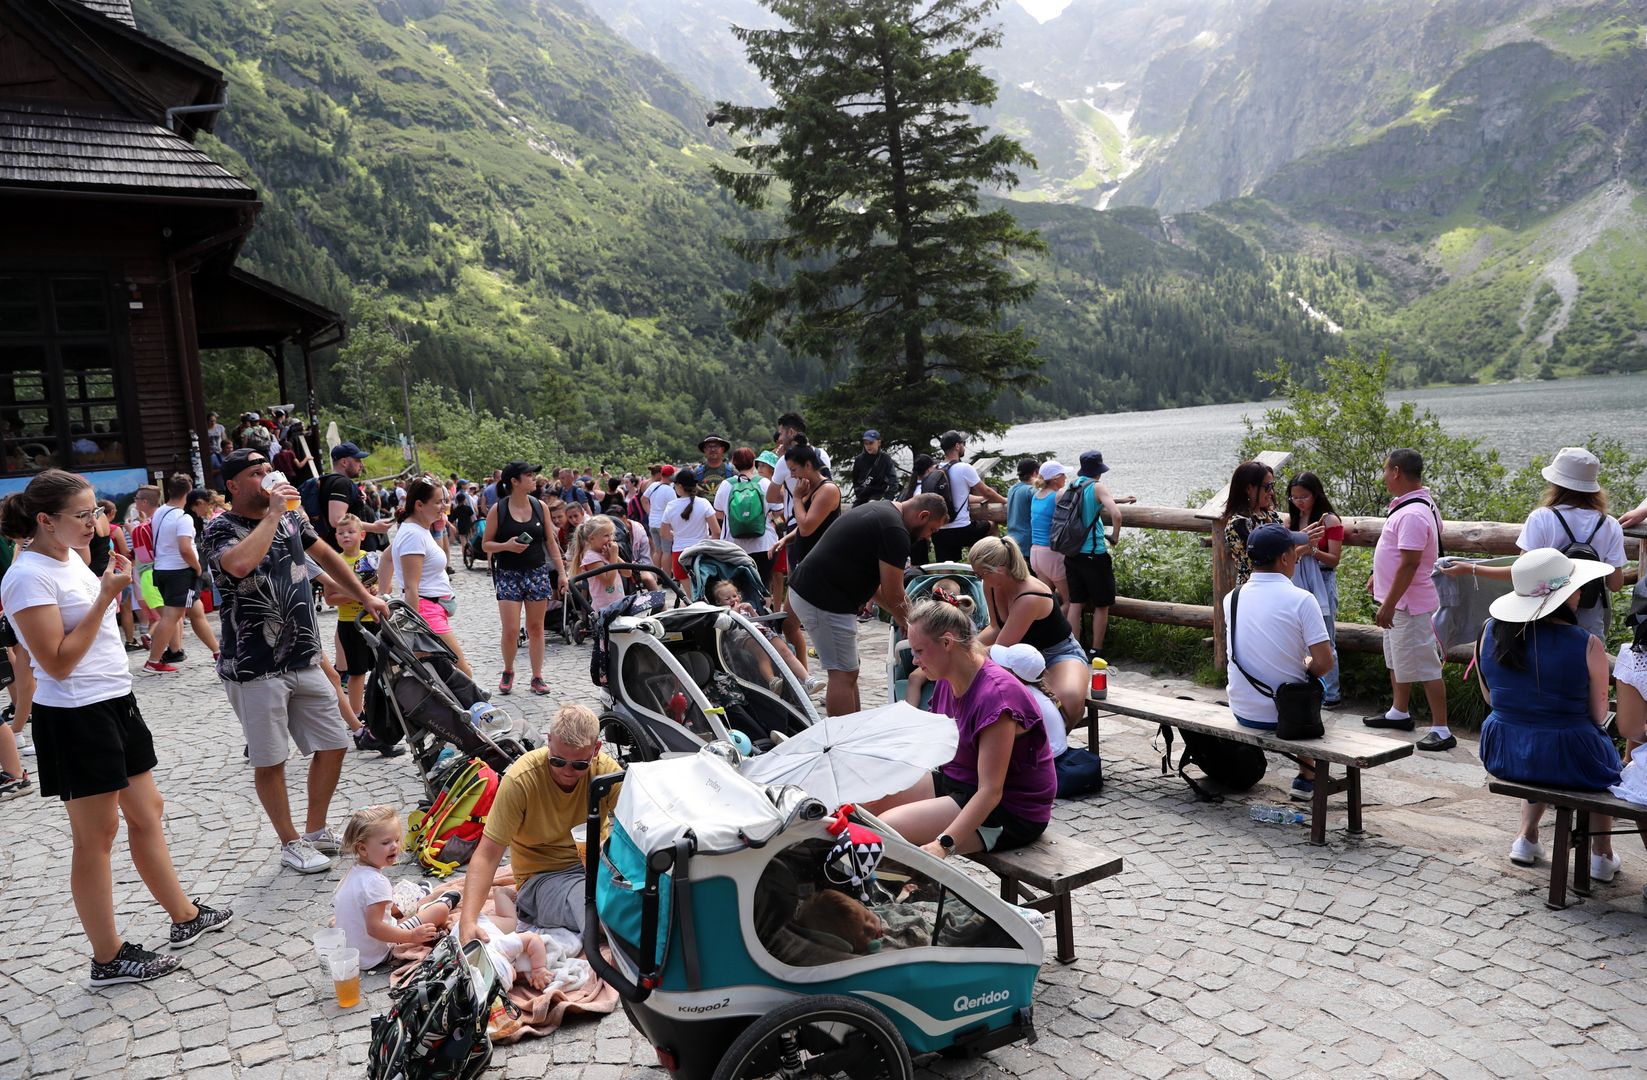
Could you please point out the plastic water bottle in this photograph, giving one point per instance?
(478, 712)
(1270, 814)
(445, 756)
(1100, 679)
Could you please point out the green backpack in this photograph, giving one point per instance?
(746, 509)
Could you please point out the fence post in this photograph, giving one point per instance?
(1222, 580)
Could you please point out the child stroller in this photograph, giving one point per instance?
(918, 584)
(711, 559)
(472, 551)
(674, 679)
(416, 692)
(706, 894)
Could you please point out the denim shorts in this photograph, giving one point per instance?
(1068, 649)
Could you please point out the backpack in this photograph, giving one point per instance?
(436, 1026)
(308, 493)
(937, 482)
(445, 835)
(1590, 593)
(746, 509)
(1232, 765)
(1069, 533)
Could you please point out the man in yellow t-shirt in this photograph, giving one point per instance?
(542, 796)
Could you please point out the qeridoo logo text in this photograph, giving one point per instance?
(994, 997)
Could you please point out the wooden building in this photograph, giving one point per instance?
(118, 247)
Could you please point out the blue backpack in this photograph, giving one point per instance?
(308, 493)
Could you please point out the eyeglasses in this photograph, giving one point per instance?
(85, 517)
(576, 765)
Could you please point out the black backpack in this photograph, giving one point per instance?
(1070, 532)
(1231, 765)
(1590, 593)
(937, 481)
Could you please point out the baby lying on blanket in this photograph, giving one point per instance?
(546, 959)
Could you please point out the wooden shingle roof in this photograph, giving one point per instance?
(54, 146)
(118, 10)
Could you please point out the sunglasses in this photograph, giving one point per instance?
(576, 765)
(1270, 486)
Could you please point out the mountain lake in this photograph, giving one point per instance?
(1163, 455)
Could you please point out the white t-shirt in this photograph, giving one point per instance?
(171, 524)
(657, 501)
(962, 479)
(688, 531)
(1279, 623)
(751, 544)
(1053, 719)
(1631, 670)
(413, 539)
(1543, 530)
(360, 888)
(36, 580)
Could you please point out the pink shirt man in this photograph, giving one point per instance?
(1412, 527)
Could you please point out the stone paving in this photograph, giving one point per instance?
(1224, 949)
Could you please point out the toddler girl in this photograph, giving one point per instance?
(723, 593)
(364, 905)
(595, 544)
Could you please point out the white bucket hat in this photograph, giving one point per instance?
(1024, 661)
(1574, 468)
(1544, 578)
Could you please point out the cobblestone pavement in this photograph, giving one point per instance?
(1224, 949)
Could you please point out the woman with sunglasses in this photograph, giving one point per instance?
(1251, 503)
(94, 751)
(540, 799)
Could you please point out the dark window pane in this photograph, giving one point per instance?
(23, 358)
(20, 305)
(80, 304)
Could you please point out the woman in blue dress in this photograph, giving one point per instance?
(1545, 678)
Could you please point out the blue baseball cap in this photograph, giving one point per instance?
(872, 435)
(347, 449)
(1268, 543)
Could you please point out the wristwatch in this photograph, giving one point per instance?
(947, 842)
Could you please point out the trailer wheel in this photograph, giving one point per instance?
(626, 741)
(826, 1036)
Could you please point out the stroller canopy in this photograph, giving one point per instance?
(710, 559)
(662, 800)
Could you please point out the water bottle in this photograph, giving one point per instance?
(445, 755)
(1276, 815)
(1100, 679)
(478, 712)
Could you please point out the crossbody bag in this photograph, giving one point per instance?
(1297, 704)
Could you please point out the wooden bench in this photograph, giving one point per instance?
(1055, 866)
(1353, 749)
(1571, 834)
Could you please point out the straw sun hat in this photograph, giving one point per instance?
(1544, 578)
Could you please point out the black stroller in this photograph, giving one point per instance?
(416, 692)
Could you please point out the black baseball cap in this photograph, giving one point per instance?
(241, 460)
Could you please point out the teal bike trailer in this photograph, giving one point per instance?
(749, 937)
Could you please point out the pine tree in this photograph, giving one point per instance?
(886, 266)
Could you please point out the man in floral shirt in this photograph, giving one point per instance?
(260, 552)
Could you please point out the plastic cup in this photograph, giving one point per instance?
(327, 942)
(580, 837)
(275, 477)
(345, 965)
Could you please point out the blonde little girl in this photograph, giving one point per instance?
(595, 544)
(364, 904)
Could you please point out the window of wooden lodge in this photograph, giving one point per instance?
(60, 393)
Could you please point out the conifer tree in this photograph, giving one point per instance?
(887, 271)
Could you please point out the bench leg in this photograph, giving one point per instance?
(1318, 803)
(1558, 859)
(1581, 854)
(1009, 890)
(1092, 726)
(1064, 920)
(1352, 777)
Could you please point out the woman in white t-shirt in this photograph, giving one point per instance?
(93, 750)
(419, 562)
(1573, 509)
(759, 547)
(687, 520)
(1630, 677)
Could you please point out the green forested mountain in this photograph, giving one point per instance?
(533, 194)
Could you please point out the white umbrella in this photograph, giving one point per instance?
(859, 757)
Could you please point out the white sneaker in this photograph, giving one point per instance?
(1604, 868)
(814, 683)
(25, 745)
(325, 841)
(301, 856)
(1524, 852)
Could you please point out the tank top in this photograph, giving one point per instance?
(1041, 507)
(508, 528)
(1047, 631)
(802, 545)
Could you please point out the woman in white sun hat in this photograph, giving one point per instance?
(1545, 678)
(1572, 511)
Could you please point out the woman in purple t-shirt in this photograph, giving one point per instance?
(997, 793)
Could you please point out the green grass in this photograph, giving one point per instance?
(1596, 34)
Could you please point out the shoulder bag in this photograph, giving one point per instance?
(1297, 704)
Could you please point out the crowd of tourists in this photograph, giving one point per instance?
(257, 548)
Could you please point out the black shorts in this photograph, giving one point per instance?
(176, 587)
(949, 544)
(358, 658)
(1001, 831)
(90, 749)
(1091, 579)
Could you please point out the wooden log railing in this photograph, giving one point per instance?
(1458, 537)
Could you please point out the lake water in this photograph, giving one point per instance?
(1162, 456)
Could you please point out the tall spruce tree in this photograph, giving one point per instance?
(886, 267)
